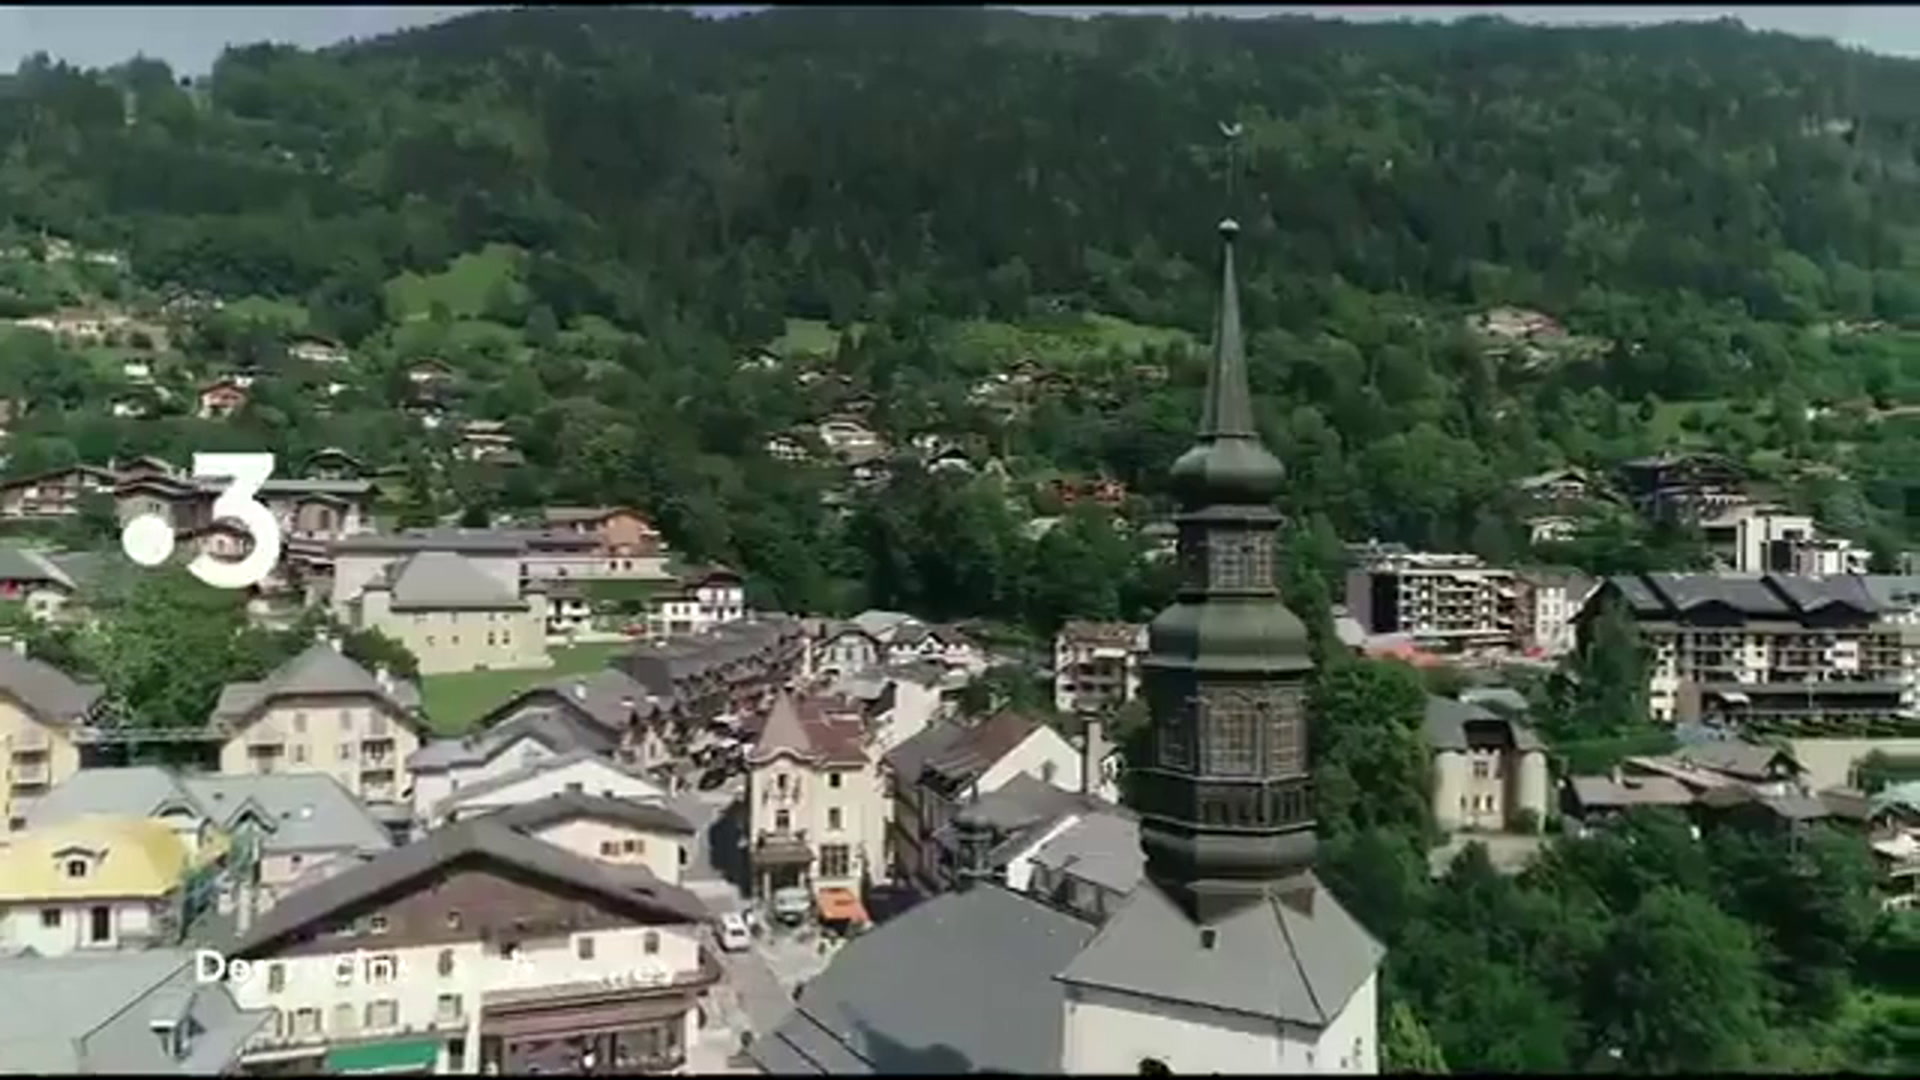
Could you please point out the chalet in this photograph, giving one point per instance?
(31, 580)
(1691, 486)
(707, 596)
(317, 350)
(221, 398)
(333, 463)
(852, 441)
(56, 493)
(1111, 494)
(620, 530)
(786, 448)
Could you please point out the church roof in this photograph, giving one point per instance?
(962, 983)
(1271, 959)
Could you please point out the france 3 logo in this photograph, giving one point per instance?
(148, 538)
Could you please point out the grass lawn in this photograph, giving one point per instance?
(808, 337)
(453, 702)
(265, 309)
(463, 286)
(1058, 343)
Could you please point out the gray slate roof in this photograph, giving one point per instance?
(552, 727)
(48, 692)
(468, 792)
(477, 842)
(961, 983)
(442, 580)
(578, 805)
(1270, 960)
(1759, 596)
(20, 564)
(89, 1012)
(1102, 848)
(1733, 757)
(307, 811)
(319, 670)
(1447, 720)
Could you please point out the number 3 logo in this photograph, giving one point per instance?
(237, 502)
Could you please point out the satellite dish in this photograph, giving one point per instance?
(1231, 131)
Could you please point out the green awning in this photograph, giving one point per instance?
(382, 1057)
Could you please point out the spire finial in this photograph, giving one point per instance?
(1232, 132)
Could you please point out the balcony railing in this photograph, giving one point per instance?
(268, 1039)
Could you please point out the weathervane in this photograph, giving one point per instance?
(1232, 133)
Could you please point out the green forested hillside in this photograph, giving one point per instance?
(593, 213)
(600, 218)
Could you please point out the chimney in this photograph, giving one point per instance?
(382, 677)
(19, 646)
(626, 703)
(1093, 751)
(579, 691)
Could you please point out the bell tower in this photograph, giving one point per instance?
(1226, 795)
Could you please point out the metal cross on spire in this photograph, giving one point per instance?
(1232, 132)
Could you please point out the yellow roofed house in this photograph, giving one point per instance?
(93, 883)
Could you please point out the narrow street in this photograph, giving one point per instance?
(758, 999)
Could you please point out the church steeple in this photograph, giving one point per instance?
(1226, 796)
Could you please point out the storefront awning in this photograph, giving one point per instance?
(408, 1055)
(841, 905)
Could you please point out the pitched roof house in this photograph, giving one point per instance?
(481, 930)
(127, 1013)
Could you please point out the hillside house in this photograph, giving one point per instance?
(221, 398)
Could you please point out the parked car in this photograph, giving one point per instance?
(734, 935)
(792, 905)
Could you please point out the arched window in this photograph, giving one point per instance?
(1154, 1067)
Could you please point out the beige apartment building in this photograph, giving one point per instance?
(1096, 666)
(455, 616)
(321, 712)
(43, 716)
(1446, 602)
(1774, 652)
(815, 801)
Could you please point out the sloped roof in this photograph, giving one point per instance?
(1270, 959)
(307, 811)
(980, 746)
(577, 805)
(552, 726)
(962, 983)
(318, 670)
(140, 857)
(443, 580)
(1761, 596)
(479, 842)
(1447, 719)
(21, 564)
(800, 728)
(1102, 847)
(1744, 760)
(87, 1013)
(49, 693)
(469, 792)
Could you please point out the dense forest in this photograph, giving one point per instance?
(593, 214)
(649, 242)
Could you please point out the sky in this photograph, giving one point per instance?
(190, 38)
